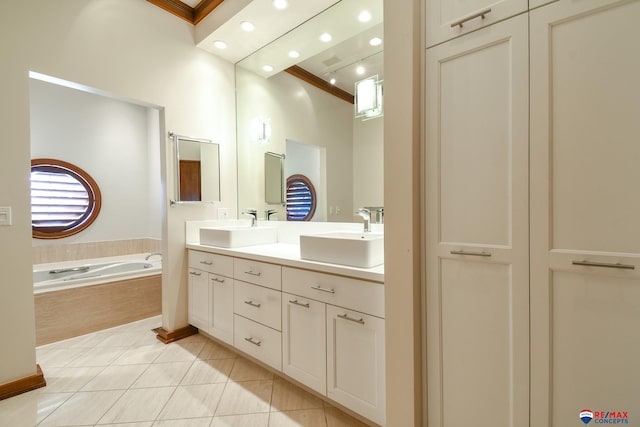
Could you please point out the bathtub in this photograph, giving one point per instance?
(74, 298)
(70, 274)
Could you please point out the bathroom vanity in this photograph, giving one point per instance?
(319, 324)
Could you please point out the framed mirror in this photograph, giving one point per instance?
(197, 170)
(274, 178)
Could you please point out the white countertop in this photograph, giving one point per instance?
(288, 254)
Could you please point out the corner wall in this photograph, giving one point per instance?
(402, 197)
(129, 48)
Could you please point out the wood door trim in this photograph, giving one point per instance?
(177, 334)
(23, 385)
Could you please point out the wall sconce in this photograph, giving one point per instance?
(260, 131)
(368, 98)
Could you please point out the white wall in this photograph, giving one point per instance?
(109, 139)
(299, 112)
(129, 48)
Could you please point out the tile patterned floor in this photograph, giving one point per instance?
(125, 377)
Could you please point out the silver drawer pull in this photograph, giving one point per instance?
(295, 301)
(252, 341)
(215, 279)
(251, 272)
(195, 273)
(604, 265)
(320, 288)
(346, 317)
(471, 253)
(206, 262)
(470, 17)
(253, 304)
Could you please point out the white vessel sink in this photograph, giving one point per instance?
(352, 248)
(237, 236)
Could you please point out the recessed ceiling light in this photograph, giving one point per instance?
(220, 44)
(280, 4)
(267, 68)
(247, 26)
(376, 41)
(365, 16)
(360, 69)
(325, 37)
(333, 80)
(294, 54)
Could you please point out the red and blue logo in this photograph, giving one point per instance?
(586, 416)
(604, 417)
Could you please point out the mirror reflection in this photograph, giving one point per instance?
(310, 113)
(197, 170)
(274, 178)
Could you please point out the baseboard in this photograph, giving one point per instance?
(175, 335)
(23, 385)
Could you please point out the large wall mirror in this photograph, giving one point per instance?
(315, 128)
(197, 170)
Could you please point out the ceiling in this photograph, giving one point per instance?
(278, 31)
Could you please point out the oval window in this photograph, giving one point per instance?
(301, 198)
(64, 199)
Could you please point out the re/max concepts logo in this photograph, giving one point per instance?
(604, 417)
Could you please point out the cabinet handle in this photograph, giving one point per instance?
(346, 317)
(320, 288)
(258, 274)
(295, 301)
(471, 253)
(206, 262)
(604, 265)
(195, 273)
(253, 304)
(215, 279)
(256, 343)
(470, 17)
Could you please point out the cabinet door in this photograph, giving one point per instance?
(447, 19)
(304, 345)
(198, 299)
(355, 362)
(477, 228)
(585, 228)
(221, 292)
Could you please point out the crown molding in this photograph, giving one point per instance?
(316, 81)
(192, 15)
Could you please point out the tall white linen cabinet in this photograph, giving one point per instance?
(532, 207)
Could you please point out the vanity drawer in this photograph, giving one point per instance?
(258, 303)
(259, 341)
(213, 263)
(260, 273)
(355, 294)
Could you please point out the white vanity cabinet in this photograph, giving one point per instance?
(211, 294)
(323, 330)
(355, 356)
(447, 19)
(304, 341)
(257, 308)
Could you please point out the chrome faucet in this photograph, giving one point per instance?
(366, 217)
(254, 216)
(152, 254)
(268, 213)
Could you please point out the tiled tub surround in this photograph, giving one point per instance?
(257, 297)
(124, 375)
(48, 253)
(71, 308)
